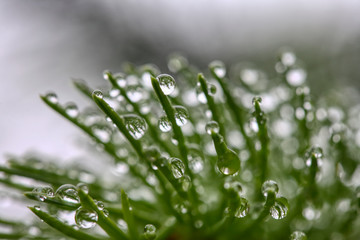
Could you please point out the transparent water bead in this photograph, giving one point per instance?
(218, 67)
(268, 186)
(243, 208)
(114, 92)
(280, 208)
(86, 218)
(177, 62)
(44, 192)
(181, 115)
(149, 232)
(120, 79)
(298, 235)
(315, 152)
(52, 97)
(296, 77)
(164, 124)
(167, 83)
(185, 183)
(177, 167)
(212, 127)
(135, 125)
(102, 132)
(98, 94)
(71, 110)
(84, 187)
(196, 163)
(254, 126)
(106, 74)
(249, 76)
(228, 162)
(288, 58)
(68, 193)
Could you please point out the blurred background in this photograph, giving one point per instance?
(43, 44)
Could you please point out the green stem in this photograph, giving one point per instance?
(211, 104)
(128, 216)
(62, 227)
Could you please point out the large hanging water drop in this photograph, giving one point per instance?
(181, 115)
(219, 68)
(135, 125)
(71, 110)
(68, 193)
(149, 232)
(167, 83)
(268, 186)
(164, 124)
(228, 162)
(177, 167)
(297, 235)
(280, 208)
(86, 218)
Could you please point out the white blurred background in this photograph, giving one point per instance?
(45, 43)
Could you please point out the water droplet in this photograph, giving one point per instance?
(243, 208)
(164, 124)
(228, 163)
(288, 58)
(135, 125)
(71, 110)
(98, 94)
(297, 235)
(315, 152)
(249, 76)
(44, 192)
(37, 208)
(84, 187)
(219, 68)
(211, 89)
(106, 74)
(181, 115)
(85, 218)
(196, 163)
(198, 223)
(254, 126)
(185, 183)
(149, 232)
(52, 97)
(177, 62)
(256, 100)
(268, 186)
(212, 127)
(296, 77)
(280, 208)
(100, 205)
(177, 167)
(120, 79)
(167, 83)
(67, 193)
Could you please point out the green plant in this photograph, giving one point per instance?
(206, 159)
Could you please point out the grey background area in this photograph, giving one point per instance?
(45, 43)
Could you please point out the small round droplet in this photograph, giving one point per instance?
(71, 110)
(243, 208)
(228, 163)
(100, 205)
(52, 97)
(280, 208)
(298, 235)
(181, 115)
(44, 192)
(211, 89)
(84, 187)
(167, 83)
(98, 94)
(135, 125)
(268, 186)
(120, 79)
(114, 92)
(164, 124)
(67, 193)
(177, 167)
(135, 93)
(254, 126)
(219, 68)
(106, 74)
(149, 232)
(86, 218)
(212, 127)
(196, 162)
(102, 132)
(37, 208)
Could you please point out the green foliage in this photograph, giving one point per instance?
(225, 155)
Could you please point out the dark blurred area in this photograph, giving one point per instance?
(44, 43)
